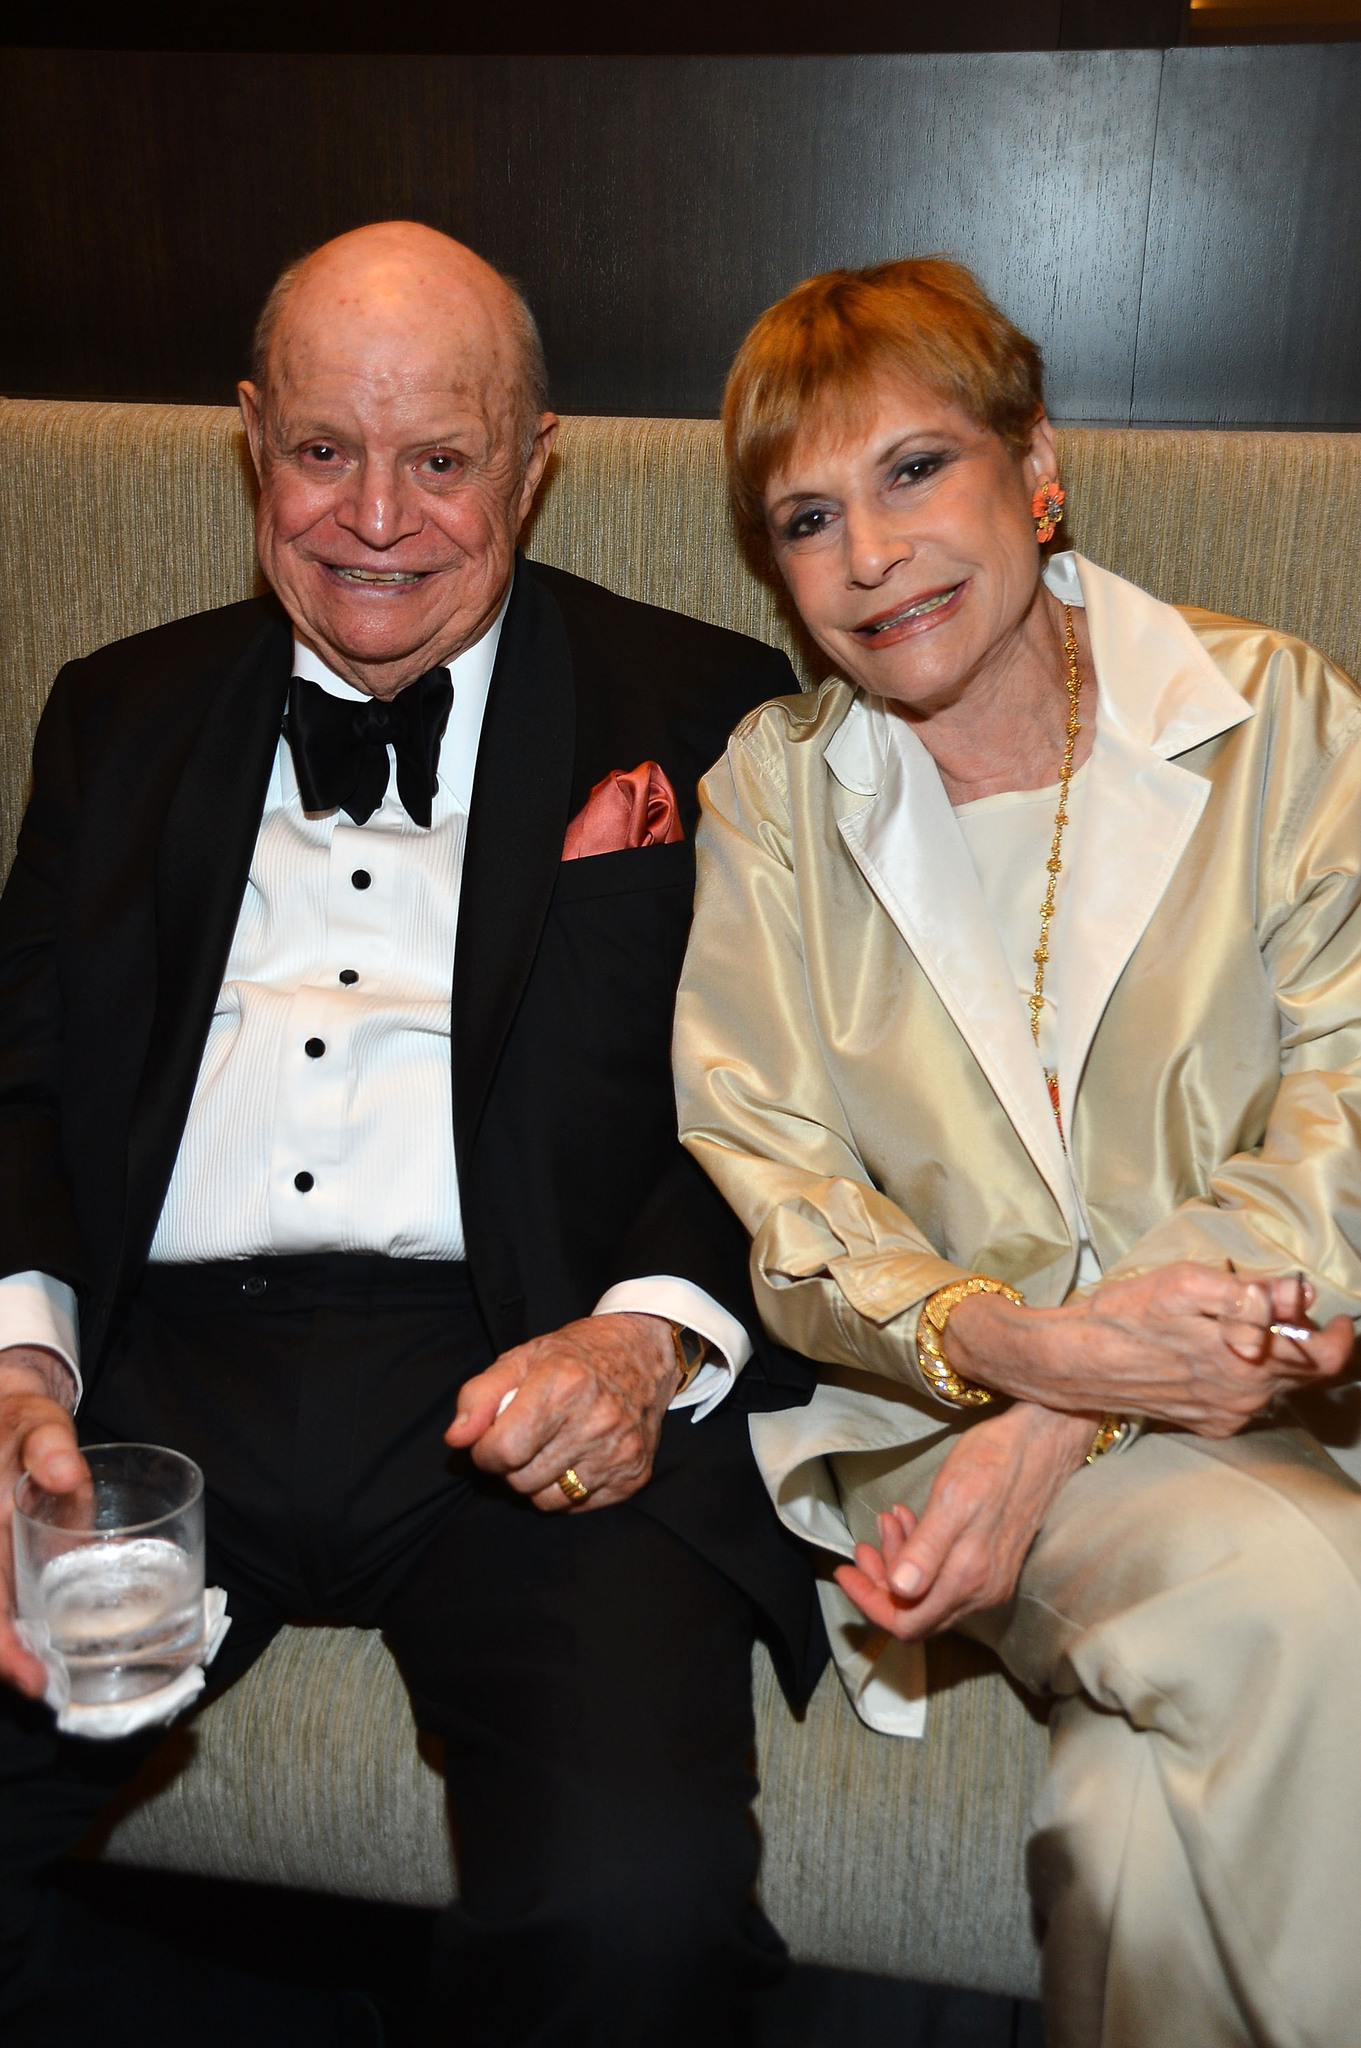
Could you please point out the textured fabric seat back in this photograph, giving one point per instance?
(114, 518)
(878, 1855)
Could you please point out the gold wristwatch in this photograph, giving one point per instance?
(939, 1375)
(691, 1350)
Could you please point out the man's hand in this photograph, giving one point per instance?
(1187, 1344)
(592, 1395)
(984, 1511)
(37, 1435)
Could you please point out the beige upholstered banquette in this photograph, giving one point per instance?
(878, 1854)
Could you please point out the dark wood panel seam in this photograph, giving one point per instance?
(1143, 259)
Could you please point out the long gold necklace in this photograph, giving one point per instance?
(1055, 861)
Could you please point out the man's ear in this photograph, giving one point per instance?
(541, 447)
(251, 401)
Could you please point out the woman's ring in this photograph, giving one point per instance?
(572, 1486)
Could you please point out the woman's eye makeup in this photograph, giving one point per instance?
(915, 469)
(806, 522)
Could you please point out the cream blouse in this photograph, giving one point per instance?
(1009, 836)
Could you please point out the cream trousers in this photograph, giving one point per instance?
(1193, 1610)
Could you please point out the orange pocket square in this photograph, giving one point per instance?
(625, 809)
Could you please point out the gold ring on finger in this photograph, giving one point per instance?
(572, 1486)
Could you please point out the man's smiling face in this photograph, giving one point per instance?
(389, 441)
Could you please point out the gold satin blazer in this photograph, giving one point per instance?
(855, 1068)
(855, 1065)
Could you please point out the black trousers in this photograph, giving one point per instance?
(589, 1673)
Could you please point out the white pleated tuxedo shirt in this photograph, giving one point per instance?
(322, 1117)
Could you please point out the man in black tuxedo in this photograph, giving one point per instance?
(240, 1194)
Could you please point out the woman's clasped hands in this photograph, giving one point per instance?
(1187, 1345)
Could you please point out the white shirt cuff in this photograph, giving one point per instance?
(35, 1309)
(680, 1301)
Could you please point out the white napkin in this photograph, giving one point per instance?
(125, 1717)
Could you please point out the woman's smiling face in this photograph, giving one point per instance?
(909, 545)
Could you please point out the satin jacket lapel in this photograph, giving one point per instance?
(908, 846)
(202, 864)
(1138, 814)
(518, 819)
(1159, 694)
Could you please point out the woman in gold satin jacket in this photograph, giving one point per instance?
(1022, 1027)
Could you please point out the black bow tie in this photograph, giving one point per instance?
(340, 749)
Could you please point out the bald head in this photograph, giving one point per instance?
(397, 427)
(391, 263)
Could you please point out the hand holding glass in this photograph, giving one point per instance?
(114, 1571)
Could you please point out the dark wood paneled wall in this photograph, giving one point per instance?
(1252, 284)
(539, 28)
(1180, 230)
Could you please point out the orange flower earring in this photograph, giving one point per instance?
(1046, 508)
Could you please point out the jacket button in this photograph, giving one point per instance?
(255, 1286)
(361, 878)
(348, 977)
(303, 1182)
(314, 1048)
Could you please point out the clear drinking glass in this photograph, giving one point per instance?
(115, 1570)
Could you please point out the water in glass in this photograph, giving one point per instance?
(126, 1615)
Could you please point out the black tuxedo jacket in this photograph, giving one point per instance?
(150, 771)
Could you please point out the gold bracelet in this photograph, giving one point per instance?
(939, 1375)
(1113, 1433)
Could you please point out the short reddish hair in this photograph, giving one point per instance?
(823, 348)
